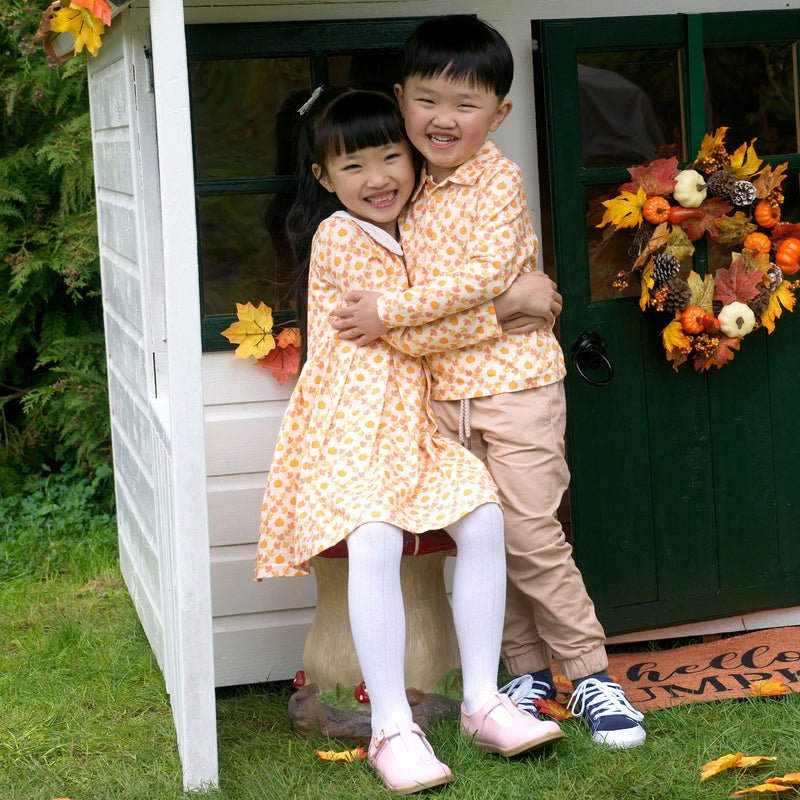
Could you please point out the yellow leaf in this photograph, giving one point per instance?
(765, 787)
(679, 245)
(719, 765)
(253, 331)
(790, 777)
(744, 162)
(624, 210)
(782, 296)
(647, 283)
(341, 755)
(751, 761)
(710, 143)
(767, 688)
(702, 291)
(676, 343)
(85, 28)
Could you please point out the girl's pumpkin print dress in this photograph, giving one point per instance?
(358, 442)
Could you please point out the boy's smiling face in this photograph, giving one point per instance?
(448, 120)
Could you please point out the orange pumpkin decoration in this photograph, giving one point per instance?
(656, 209)
(787, 256)
(692, 319)
(767, 215)
(758, 243)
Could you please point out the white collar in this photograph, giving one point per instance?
(374, 232)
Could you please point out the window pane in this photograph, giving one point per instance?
(630, 107)
(235, 108)
(762, 99)
(237, 252)
(370, 70)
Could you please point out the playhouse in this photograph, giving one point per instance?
(683, 507)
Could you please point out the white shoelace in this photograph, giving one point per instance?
(601, 699)
(525, 691)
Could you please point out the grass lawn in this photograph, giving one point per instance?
(84, 715)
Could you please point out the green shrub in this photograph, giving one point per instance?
(52, 362)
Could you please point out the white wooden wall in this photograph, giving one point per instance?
(156, 433)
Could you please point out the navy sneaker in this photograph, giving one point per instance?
(608, 713)
(529, 688)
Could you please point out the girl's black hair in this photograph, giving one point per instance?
(340, 120)
(463, 48)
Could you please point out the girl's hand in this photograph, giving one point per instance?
(532, 294)
(358, 321)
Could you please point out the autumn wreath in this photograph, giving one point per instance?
(738, 203)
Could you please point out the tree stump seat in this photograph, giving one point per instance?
(329, 657)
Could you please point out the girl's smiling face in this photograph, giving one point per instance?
(372, 183)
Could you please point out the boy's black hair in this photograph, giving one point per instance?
(341, 120)
(462, 47)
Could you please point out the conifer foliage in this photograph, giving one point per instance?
(53, 396)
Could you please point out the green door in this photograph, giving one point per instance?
(684, 497)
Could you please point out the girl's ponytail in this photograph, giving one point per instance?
(312, 204)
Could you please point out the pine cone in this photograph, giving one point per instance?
(760, 302)
(773, 277)
(720, 183)
(664, 268)
(743, 193)
(678, 295)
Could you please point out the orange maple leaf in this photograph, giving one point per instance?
(553, 708)
(282, 362)
(769, 179)
(288, 336)
(737, 283)
(562, 684)
(97, 8)
(712, 209)
(764, 787)
(624, 210)
(721, 356)
(767, 688)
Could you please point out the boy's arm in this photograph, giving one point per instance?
(500, 245)
(530, 303)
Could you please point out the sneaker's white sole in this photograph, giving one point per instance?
(627, 737)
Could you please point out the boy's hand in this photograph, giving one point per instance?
(532, 295)
(358, 321)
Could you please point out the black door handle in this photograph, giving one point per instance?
(589, 353)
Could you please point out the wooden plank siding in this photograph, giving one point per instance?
(259, 628)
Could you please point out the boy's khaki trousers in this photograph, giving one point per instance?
(520, 438)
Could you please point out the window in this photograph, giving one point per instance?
(650, 87)
(246, 83)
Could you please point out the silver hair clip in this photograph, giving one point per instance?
(310, 102)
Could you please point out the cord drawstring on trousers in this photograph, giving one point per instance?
(464, 425)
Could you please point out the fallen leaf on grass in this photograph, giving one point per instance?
(764, 787)
(341, 755)
(790, 777)
(731, 760)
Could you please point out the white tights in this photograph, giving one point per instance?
(377, 616)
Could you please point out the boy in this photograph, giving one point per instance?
(467, 235)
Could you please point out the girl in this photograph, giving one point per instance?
(358, 455)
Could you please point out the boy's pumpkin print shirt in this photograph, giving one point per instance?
(465, 240)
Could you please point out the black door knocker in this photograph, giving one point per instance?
(589, 353)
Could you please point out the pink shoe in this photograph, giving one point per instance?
(410, 775)
(523, 732)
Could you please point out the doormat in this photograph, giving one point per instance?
(718, 670)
